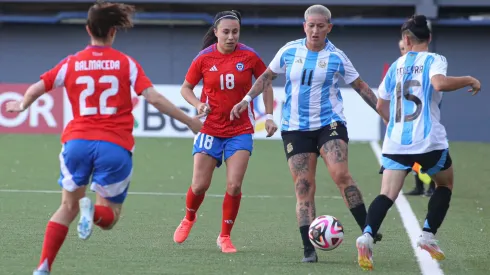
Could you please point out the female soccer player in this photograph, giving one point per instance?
(226, 68)
(98, 142)
(419, 185)
(414, 134)
(313, 122)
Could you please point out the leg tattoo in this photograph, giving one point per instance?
(353, 196)
(336, 151)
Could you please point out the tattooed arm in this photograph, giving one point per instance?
(362, 88)
(262, 84)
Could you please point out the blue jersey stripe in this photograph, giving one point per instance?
(408, 106)
(305, 89)
(326, 106)
(390, 80)
(288, 57)
(428, 90)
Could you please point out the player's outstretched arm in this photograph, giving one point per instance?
(363, 89)
(33, 92)
(163, 105)
(261, 85)
(443, 83)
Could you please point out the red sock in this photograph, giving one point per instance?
(103, 216)
(231, 204)
(53, 240)
(192, 203)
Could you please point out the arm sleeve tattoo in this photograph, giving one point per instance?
(362, 88)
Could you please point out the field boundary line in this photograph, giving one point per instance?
(427, 265)
(167, 194)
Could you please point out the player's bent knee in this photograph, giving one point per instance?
(199, 188)
(342, 178)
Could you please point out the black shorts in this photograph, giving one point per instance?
(298, 142)
(432, 162)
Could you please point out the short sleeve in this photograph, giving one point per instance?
(385, 88)
(55, 77)
(138, 78)
(194, 73)
(259, 67)
(278, 64)
(349, 73)
(438, 66)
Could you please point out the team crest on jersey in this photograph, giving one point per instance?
(322, 64)
(240, 66)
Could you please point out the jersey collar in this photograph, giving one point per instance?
(327, 43)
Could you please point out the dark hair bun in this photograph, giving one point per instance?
(420, 20)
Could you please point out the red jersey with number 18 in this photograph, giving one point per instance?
(227, 78)
(98, 83)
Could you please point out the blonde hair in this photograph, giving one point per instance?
(318, 10)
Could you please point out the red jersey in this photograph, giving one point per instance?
(98, 82)
(227, 78)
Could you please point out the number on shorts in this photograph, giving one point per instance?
(205, 141)
(410, 97)
(227, 81)
(103, 109)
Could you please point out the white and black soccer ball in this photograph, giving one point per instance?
(326, 232)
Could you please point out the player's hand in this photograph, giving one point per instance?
(203, 109)
(195, 125)
(14, 106)
(270, 127)
(475, 86)
(238, 109)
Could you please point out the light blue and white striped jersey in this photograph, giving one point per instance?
(414, 126)
(313, 98)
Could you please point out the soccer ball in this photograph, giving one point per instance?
(326, 233)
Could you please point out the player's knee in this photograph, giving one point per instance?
(304, 187)
(199, 188)
(342, 178)
(233, 188)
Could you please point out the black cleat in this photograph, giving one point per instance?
(310, 257)
(415, 192)
(378, 237)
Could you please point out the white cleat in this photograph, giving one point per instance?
(427, 241)
(364, 246)
(40, 272)
(86, 222)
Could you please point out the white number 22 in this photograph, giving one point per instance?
(90, 90)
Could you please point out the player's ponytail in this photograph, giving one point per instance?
(103, 16)
(209, 38)
(417, 27)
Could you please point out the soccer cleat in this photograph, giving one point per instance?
(183, 230)
(378, 237)
(86, 223)
(224, 243)
(310, 256)
(428, 242)
(364, 246)
(40, 272)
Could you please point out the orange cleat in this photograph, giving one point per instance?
(183, 230)
(224, 243)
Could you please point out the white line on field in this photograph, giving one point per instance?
(428, 266)
(168, 194)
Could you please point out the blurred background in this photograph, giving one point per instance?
(35, 35)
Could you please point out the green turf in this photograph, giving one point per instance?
(265, 233)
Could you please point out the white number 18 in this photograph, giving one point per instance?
(227, 80)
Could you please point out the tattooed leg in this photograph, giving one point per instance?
(303, 169)
(335, 155)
